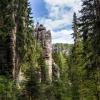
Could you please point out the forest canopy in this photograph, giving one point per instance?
(34, 68)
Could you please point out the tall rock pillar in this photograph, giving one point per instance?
(44, 38)
(48, 53)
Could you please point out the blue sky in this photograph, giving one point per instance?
(56, 15)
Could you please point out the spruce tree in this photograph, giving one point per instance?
(76, 62)
(88, 26)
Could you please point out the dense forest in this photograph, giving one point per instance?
(32, 68)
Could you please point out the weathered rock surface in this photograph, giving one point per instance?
(44, 38)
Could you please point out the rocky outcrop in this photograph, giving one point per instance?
(44, 38)
(55, 70)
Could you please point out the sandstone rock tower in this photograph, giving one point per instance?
(44, 38)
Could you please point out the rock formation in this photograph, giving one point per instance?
(55, 70)
(44, 38)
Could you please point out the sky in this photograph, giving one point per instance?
(56, 16)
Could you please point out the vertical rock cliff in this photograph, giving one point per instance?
(44, 38)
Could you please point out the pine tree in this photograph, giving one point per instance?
(90, 36)
(61, 90)
(8, 28)
(76, 62)
(16, 39)
(96, 46)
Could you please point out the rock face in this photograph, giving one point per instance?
(44, 38)
(55, 71)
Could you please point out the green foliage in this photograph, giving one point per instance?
(78, 63)
(6, 92)
(31, 83)
(61, 88)
(83, 65)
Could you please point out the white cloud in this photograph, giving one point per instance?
(60, 15)
(75, 4)
(63, 36)
(61, 2)
(55, 24)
